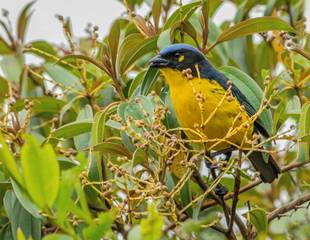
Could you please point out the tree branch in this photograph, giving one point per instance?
(287, 168)
(293, 205)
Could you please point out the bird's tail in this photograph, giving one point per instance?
(268, 171)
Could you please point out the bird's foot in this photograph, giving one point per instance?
(220, 190)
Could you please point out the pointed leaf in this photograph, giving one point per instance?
(23, 20)
(258, 218)
(9, 162)
(72, 129)
(41, 172)
(254, 25)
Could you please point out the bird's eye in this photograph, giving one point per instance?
(179, 57)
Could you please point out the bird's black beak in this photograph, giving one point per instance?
(158, 62)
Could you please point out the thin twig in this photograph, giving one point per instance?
(236, 193)
(293, 205)
(287, 168)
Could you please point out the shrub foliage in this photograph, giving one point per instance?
(90, 147)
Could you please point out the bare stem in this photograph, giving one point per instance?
(293, 205)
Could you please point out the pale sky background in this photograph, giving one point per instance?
(44, 25)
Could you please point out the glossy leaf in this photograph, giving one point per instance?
(25, 201)
(259, 220)
(303, 131)
(40, 171)
(20, 218)
(72, 129)
(12, 66)
(44, 104)
(9, 162)
(57, 237)
(254, 25)
(149, 80)
(63, 76)
(82, 141)
(181, 14)
(132, 48)
(151, 228)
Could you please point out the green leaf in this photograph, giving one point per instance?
(186, 197)
(251, 91)
(181, 14)
(196, 225)
(63, 76)
(113, 40)
(164, 39)
(293, 107)
(4, 47)
(25, 201)
(135, 233)
(20, 218)
(40, 171)
(97, 137)
(112, 148)
(23, 20)
(151, 227)
(12, 66)
(82, 141)
(138, 157)
(132, 48)
(68, 181)
(305, 138)
(45, 47)
(72, 129)
(156, 11)
(20, 234)
(57, 237)
(67, 107)
(4, 89)
(254, 25)
(9, 162)
(44, 104)
(149, 80)
(303, 132)
(99, 230)
(258, 218)
(136, 84)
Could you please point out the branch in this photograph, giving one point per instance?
(213, 202)
(284, 169)
(293, 205)
(236, 194)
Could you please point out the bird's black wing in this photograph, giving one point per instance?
(222, 80)
(258, 125)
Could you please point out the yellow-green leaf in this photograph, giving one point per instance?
(41, 172)
(258, 218)
(9, 162)
(151, 227)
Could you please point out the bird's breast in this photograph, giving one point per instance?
(205, 112)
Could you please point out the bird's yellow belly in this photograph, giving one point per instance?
(206, 114)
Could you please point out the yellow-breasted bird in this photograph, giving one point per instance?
(209, 106)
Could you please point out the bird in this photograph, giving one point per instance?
(209, 107)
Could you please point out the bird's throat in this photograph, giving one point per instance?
(173, 77)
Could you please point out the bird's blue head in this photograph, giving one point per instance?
(179, 56)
